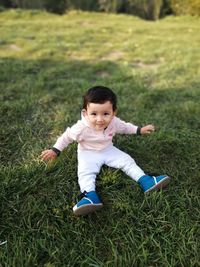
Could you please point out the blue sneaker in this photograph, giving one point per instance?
(149, 183)
(89, 203)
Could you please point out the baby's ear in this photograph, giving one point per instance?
(84, 112)
(115, 112)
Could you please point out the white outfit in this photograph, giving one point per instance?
(90, 162)
(95, 148)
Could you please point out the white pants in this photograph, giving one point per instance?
(90, 162)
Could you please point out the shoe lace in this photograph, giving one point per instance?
(83, 194)
(152, 174)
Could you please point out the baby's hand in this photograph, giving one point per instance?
(48, 154)
(147, 129)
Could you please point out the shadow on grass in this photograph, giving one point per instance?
(40, 99)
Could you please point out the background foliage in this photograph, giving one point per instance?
(147, 9)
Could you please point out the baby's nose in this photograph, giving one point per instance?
(99, 118)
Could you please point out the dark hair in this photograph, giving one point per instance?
(100, 95)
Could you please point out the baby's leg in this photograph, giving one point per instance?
(89, 164)
(118, 159)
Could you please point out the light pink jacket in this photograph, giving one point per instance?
(89, 138)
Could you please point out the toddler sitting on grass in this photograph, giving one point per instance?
(94, 134)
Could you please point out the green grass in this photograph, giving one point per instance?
(46, 64)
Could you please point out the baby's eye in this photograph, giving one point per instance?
(93, 114)
(106, 114)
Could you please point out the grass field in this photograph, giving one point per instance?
(46, 64)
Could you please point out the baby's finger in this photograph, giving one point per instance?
(151, 128)
(46, 157)
(42, 155)
(44, 152)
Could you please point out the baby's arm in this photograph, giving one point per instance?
(147, 129)
(60, 144)
(123, 127)
(70, 135)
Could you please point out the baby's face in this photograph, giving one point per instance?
(100, 115)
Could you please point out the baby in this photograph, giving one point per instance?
(94, 134)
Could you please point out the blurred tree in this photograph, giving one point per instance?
(90, 5)
(166, 8)
(147, 9)
(194, 8)
(184, 7)
(115, 6)
(6, 3)
(56, 6)
(27, 3)
(154, 9)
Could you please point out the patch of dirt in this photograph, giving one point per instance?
(151, 65)
(114, 55)
(15, 47)
(103, 74)
(85, 24)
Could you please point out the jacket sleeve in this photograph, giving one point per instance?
(70, 135)
(123, 127)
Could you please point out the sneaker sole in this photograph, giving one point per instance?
(86, 209)
(160, 184)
